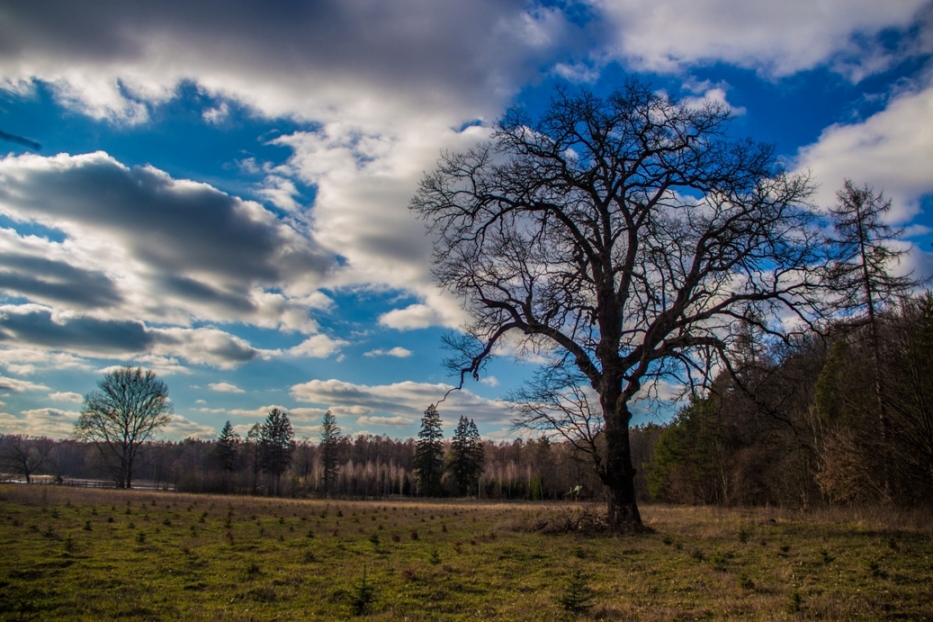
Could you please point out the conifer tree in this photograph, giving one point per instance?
(429, 454)
(467, 456)
(227, 449)
(861, 278)
(330, 439)
(276, 444)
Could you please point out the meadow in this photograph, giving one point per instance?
(83, 554)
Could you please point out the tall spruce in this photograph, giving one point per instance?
(429, 454)
(227, 449)
(330, 444)
(276, 444)
(467, 457)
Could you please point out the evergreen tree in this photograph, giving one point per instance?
(467, 456)
(227, 449)
(429, 454)
(276, 444)
(330, 444)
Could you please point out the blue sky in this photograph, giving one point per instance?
(221, 196)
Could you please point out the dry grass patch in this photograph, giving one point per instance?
(106, 554)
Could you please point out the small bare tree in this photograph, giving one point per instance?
(25, 456)
(628, 239)
(127, 409)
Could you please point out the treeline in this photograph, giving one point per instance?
(368, 466)
(845, 416)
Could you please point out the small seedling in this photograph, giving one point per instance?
(363, 596)
(435, 558)
(577, 595)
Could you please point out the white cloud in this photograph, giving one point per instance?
(225, 387)
(139, 244)
(51, 422)
(66, 396)
(891, 151)
(384, 421)
(256, 413)
(775, 38)
(180, 428)
(317, 346)
(404, 399)
(397, 352)
(218, 114)
(17, 386)
(412, 317)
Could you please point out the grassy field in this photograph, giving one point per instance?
(78, 554)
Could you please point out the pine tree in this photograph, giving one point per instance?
(429, 454)
(330, 439)
(276, 444)
(467, 456)
(227, 449)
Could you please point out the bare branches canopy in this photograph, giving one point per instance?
(628, 238)
(127, 409)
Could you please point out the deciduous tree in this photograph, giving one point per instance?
(25, 456)
(121, 416)
(625, 238)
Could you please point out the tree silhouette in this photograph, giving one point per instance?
(330, 446)
(862, 279)
(625, 239)
(467, 456)
(227, 449)
(276, 444)
(127, 409)
(428, 462)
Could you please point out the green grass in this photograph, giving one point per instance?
(73, 554)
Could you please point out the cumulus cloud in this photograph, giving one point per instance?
(17, 386)
(372, 60)
(180, 428)
(777, 39)
(51, 422)
(317, 346)
(892, 150)
(66, 396)
(397, 352)
(141, 244)
(127, 340)
(384, 421)
(412, 317)
(403, 399)
(225, 387)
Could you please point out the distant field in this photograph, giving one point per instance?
(78, 554)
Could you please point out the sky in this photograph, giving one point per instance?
(221, 194)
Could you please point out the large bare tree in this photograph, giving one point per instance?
(629, 239)
(121, 416)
